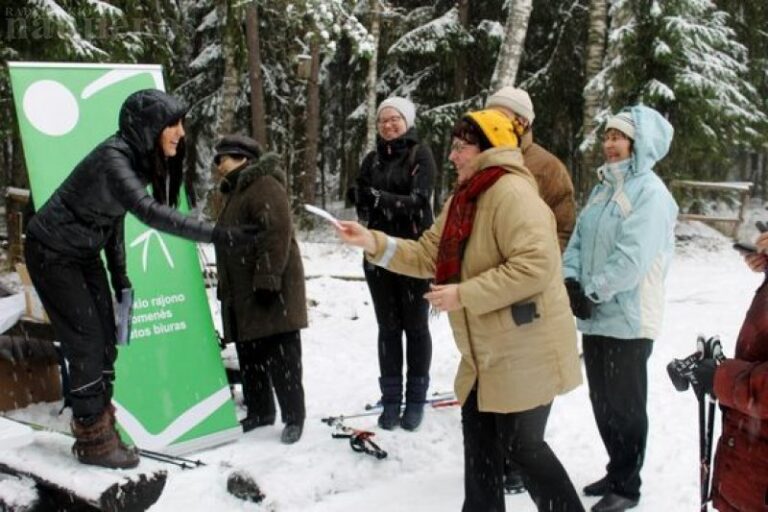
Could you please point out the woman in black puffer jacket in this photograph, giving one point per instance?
(86, 214)
(392, 194)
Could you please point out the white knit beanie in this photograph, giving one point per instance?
(624, 123)
(402, 105)
(514, 99)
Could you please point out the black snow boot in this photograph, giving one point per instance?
(391, 397)
(415, 398)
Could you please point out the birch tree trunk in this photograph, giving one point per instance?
(313, 124)
(371, 78)
(258, 114)
(512, 47)
(229, 81)
(596, 41)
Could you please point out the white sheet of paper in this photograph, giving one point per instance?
(322, 213)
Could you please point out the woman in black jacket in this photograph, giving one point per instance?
(63, 248)
(392, 194)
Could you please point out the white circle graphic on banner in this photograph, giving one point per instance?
(51, 107)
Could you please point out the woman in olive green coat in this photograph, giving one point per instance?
(261, 289)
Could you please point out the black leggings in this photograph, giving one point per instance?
(489, 436)
(400, 306)
(618, 389)
(76, 295)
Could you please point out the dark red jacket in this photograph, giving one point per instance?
(740, 482)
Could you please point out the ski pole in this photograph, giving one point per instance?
(331, 419)
(438, 401)
(150, 454)
(445, 403)
(168, 460)
(706, 426)
(706, 446)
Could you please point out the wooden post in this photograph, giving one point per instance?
(15, 199)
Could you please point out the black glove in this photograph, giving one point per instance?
(702, 377)
(580, 303)
(376, 194)
(120, 282)
(235, 235)
(264, 296)
(366, 197)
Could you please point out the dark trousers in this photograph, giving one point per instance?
(488, 437)
(618, 388)
(400, 306)
(76, 295)
(273, 362)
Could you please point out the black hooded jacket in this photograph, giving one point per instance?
(403, 175)
(86, 213)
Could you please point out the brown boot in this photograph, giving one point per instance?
(99, 444)
(113, 421)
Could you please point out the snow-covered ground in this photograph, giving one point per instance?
(709, 289)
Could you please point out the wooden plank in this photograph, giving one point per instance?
(738, 186)
(707, 218)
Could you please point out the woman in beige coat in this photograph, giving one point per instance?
(494, 255)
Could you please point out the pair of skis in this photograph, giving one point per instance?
(361, 440)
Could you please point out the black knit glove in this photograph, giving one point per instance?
(702, 377)
(580, 303)
(120, 282)
(235, 235)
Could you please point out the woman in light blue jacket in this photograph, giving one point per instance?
(614, 267)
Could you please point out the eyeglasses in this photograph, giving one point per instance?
(459, 146)
(390, 120)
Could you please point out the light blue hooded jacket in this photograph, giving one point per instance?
(623, 241)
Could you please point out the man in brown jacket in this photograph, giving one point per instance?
(555, 185)
(555, 188)
(261, 286)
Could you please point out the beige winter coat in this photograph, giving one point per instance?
(511, 265)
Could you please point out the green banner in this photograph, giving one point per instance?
(171, 391)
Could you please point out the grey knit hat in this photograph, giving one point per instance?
(513, 99)
(623, 122)
(402, 105)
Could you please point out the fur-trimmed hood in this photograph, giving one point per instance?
(267, 165)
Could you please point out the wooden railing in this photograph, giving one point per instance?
(742, 188)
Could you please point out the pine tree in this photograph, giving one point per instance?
(681, 57)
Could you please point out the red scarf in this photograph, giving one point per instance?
(458, 224)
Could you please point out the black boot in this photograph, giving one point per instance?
(292, 432)
(391, 396)
(415, 398)
(252, 422)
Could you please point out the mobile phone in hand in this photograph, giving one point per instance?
(745, 248)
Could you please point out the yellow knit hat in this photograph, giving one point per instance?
(496, 127)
